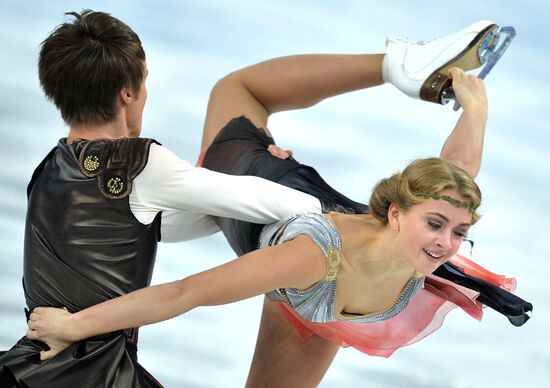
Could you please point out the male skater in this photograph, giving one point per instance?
(103, 197)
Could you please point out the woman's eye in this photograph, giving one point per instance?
(461, 235)
(434, 224)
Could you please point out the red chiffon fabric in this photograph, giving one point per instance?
(201, 157)
(423, 315)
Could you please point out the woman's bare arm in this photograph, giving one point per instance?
(464, 146)
(297, 263)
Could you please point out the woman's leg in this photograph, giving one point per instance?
(418, 69)
(287, 83)
(282, 359)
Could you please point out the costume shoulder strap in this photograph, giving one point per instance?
(114, 163)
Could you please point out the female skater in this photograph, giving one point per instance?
(363, 279)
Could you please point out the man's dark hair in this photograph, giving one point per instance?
(84, 63)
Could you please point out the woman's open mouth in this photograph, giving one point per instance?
(433, 257)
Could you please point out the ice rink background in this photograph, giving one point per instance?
(353, 141)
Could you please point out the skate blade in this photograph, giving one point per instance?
(490, 52)
(467, 59)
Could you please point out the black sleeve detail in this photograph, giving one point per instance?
(500, 300)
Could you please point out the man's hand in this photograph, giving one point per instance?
(279, 152)
(51, 326)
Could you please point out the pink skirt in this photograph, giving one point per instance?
(423, 315)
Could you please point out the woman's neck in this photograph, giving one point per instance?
(372, 272)
(370, 247)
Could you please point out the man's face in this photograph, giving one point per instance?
(134, 112)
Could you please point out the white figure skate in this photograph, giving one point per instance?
(419, 69)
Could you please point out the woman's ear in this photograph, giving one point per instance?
(393, 217)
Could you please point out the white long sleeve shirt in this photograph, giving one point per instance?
(189, 196)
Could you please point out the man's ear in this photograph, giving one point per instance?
(126, 96)
(393, 216)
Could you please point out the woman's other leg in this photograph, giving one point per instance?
(282, 359)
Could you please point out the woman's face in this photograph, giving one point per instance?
(431, 232)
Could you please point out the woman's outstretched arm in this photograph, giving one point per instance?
(298, 264)
(464, 146)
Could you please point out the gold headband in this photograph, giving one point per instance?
(451, 200)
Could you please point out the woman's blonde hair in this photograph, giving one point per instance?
(422, 179)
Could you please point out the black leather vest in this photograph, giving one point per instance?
(82, 243)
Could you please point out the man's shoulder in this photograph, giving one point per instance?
(162, 157)
(114, 162)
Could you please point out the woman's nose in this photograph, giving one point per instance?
(444, 241)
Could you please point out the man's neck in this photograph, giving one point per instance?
(111, 130)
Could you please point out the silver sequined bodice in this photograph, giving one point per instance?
(316, 304)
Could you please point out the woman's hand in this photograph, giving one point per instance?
(469, 90)
(51, 326)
